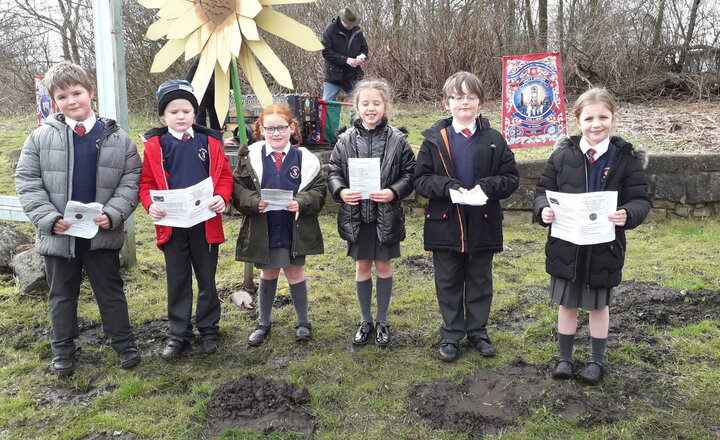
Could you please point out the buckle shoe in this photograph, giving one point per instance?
(382, 334)
(593, 373)
(563, 369)
(303, 331)
(258, 336)
(362, 336)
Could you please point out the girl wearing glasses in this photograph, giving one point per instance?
(275, 235)
(374, 225)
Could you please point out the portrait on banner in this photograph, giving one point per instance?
(533, 100)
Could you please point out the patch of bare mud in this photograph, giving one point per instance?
(487, 401)
(255, 403)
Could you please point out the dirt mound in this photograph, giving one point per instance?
(486, 401)
(419, 265)
(255, 403)
(651, 303)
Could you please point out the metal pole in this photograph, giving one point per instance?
(112, 86)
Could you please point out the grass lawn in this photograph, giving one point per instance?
(364, 393)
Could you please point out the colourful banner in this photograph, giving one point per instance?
(45, 105)
(533, 100)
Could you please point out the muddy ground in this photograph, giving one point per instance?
(484, 402)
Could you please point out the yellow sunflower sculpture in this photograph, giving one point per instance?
(222, 31)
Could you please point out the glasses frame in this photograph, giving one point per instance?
(461, 98)
(282, 129)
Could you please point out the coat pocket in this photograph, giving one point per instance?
(437, 225)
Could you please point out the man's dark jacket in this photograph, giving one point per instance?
(566, 172)
(338, 48)
(464, 228)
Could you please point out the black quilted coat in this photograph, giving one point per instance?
(396, 173)
(566, 172)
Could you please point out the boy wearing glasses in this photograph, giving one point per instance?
(463, 155)
(177, 156)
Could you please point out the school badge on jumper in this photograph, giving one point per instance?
(533, 100)
(295, 171)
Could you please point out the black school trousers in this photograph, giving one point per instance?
(463, 284)
(185, 252)
(64, 276)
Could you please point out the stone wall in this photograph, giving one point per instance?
(680, 186)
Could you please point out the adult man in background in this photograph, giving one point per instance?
(345, 51)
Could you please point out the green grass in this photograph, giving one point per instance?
(355, 394)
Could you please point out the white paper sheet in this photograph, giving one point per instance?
(277, 199)
(583, 218)
(364, 175)
(476, 198)
(185, 207)
(80, 216)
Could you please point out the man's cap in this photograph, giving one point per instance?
(175, 89)
(349, 17)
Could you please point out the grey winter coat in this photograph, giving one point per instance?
(566, 171)
(396, 173)
(43, 180)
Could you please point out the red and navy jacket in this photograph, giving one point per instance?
(155, 177)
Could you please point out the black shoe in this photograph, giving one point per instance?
(129, 358)
(484, 346)
(592, 373)
(303, 331)
(382, 334)
(564, 369)
(210, 345)
(174, 349)
(62, 366)
(449, 350)
(258, 336)
(362, 336)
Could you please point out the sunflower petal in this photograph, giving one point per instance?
(187, 23)
(249, 8)
(235, 39)
(288, 29)
(222, 93)
(249, 29)
(223, 48)
(254, 77)
(272, 63)
(158, 29)
(204, 71)
(167, 55)
(175, 8)
(196, 41)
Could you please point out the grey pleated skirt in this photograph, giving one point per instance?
(368, 246)
(280, 258)
(578, 295)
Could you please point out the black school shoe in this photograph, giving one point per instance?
(210, 344)
(174, 349)
(449, 350)
(303, 331)
(484, 346)
(62, 366)
(564, 369)
(382, 334)
(593, 373)
(257, 337)
(362, 336)
(129, 358)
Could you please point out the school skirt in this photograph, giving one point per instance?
(578, 295)
(280, 258)
(368, 246)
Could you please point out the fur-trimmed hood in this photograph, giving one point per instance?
(638, 152)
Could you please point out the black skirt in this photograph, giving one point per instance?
(368, 246)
